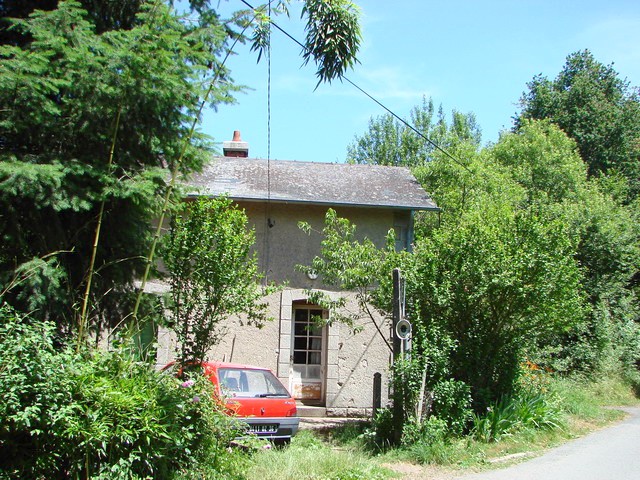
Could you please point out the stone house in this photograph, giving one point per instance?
(328, 366)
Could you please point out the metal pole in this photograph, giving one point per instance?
(398, 408)
(397, 342)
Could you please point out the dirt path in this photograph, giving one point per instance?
(421, 472)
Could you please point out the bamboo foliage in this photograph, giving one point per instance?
(78, 87)
(55, 94)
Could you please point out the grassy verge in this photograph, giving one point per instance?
(343, 455)
(312, 456)
(582, 404)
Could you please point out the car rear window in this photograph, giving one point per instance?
(242, 382)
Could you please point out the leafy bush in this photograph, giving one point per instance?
(433, 449)
(380, 435)
(428, 376)
(433, 430)
(143, 423)
(452, 403)
(35, 397)
(528, 410)
(101, 414)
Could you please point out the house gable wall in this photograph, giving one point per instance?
(351, 359)
(283, 245)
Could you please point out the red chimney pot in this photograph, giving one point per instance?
(236, 147)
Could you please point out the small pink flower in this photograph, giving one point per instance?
(196, 399)
(188, 383)
(266, 446)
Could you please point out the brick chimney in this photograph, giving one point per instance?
(236, 147)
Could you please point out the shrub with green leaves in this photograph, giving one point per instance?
(432, 430)
(35, 398)
(142, 423)
(101, 414)
(528, 410)
(380, 435)
(427, 374)
(212, 272)
(452, 402)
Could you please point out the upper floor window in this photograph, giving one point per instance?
(402, 228)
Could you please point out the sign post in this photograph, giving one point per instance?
(398, 384)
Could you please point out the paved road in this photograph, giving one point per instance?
(609, 454)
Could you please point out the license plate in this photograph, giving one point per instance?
(266, 428)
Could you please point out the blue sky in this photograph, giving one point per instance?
(470, 56)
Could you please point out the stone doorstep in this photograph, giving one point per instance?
(316, 417)
(313, 417)
(314, 411)
(305, 411)
(319, 423)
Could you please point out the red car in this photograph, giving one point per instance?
(255, 395)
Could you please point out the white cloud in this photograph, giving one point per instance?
(392, 83)
(383, 83)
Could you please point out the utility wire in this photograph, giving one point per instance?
(268, 223)
(378, 102)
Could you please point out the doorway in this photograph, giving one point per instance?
(308, 353)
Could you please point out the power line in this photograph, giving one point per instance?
(371, 97)
(268, 223)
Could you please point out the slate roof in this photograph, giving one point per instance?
(254, 179)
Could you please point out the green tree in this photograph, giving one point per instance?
(61, 95)
(495, 278)
(543, 160)
(594, 106)
(359, 267)
(609, 254)
(212, 272)
(10, 9)
(497, 273)
(94, 107)
(332, 36)
(608, 337)
(389, 141)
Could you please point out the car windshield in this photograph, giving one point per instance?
(243, 382)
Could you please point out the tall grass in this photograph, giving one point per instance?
(308, 457)
(514, 414)
(564, 408)
(583, 398)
